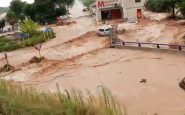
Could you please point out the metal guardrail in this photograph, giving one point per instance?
(119, 42)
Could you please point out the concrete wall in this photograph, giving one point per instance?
(132, 14)
(132, 3)
(129, 10)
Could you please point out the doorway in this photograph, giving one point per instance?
(139, 13)
(111, 14)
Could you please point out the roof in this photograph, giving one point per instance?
(93, 5)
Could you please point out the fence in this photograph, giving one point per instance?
(120, 43)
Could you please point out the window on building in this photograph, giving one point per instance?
(137, 0)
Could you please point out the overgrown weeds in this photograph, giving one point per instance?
(15, 100)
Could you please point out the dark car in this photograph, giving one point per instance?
(182, 84)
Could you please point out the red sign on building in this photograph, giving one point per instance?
(100, 4)
(106, 3)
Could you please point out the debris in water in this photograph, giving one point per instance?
(182, 84)
(7, 68)
(36, 59)
(143, 81)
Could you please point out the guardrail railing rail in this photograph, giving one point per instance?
(118, 42)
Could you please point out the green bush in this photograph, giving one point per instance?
(9, 45)
(28, 26)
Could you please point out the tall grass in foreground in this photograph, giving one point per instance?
(15, 100)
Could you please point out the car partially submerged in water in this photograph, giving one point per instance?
(105, 31)
(182, 84)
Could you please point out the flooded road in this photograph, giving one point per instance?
(121, 70)
(83, 61)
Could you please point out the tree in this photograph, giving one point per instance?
(171, 6)
(40, 10)
(87, 3)
(11, 18)
(155, 6)
(2, 24)
(50, 9)
(182, 8)
(67, 2)
(163, 6)
(61, 11)
(16, 6)
(15, 12)
(30, 11)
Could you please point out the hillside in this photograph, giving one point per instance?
(3, 9)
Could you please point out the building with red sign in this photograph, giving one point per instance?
(129, 10)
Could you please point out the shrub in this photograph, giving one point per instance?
(28, 26)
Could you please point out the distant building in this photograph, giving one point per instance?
(7, 28)
(129, 10)
(2, 16)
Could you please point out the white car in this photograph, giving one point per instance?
(104, 31)
(64, 17)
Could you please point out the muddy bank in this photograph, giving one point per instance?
(152, 31)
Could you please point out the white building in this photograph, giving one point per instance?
(129, 10)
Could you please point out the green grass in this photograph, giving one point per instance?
(10, 45)
(14, 100)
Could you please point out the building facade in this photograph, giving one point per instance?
(129, 10)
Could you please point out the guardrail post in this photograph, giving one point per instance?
(124, 43)
(139, 44)
(180, 48)
(158, 46)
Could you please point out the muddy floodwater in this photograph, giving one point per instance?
(79, 58)
(120, 70)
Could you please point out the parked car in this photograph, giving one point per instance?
(105, 31)
(64, 17)
(23, 35)
(182, 84)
